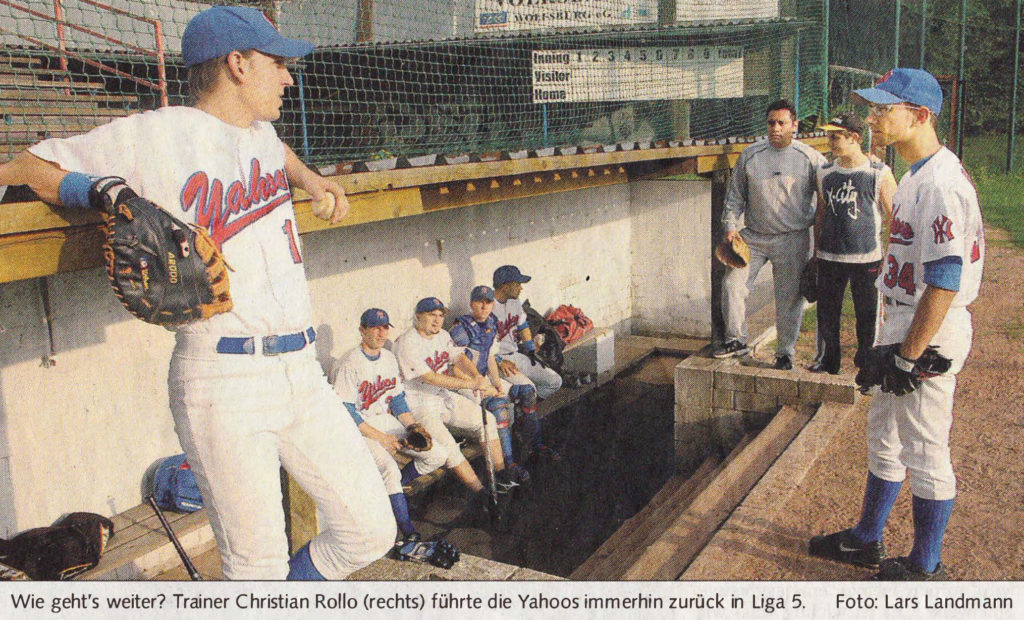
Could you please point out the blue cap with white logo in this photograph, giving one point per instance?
(220, 30)
(508, 273)
(429, 304)
(482, 292)
(374, 317)
(905, 86)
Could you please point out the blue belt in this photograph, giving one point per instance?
(272, 345)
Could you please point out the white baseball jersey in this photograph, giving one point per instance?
(369, 384)
(240, 195)
(935, 216)
(418, 355)
(511, 319)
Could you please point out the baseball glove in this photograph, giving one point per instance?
(418, 439)
(809, 281)
(735, 253)
(163, 271)
(900, 376)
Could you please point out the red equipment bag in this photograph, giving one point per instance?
(570, 323)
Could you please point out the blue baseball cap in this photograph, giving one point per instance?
(508, 273)
(374, 317)
(905, 86)
(429, 304)
(482, 292)
(220, 30)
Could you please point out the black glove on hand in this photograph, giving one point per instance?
(900, 375)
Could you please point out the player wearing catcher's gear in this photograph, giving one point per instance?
(517, 352)
(428, 358)
(854, 196)
(246, 390)
(931, 272)
(477, 332)
(772, 187)
(368, 380)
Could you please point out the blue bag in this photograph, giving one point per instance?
(174, 486)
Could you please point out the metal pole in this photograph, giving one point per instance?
(896, 48)
(1010, 143)
(302, 113)
(924, 28)
(960, 74)
(824, 68)
(796, 76)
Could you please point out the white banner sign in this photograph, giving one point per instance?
(638, 73)
(698, 10)
(508, 15)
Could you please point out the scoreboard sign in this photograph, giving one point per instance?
(637, 73)
(701, 10)
(510, 15)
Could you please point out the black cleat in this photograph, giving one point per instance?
(901, 569)
(732, 348)
(782, 362)
(843, 547)
(440, 553)
(818, 367)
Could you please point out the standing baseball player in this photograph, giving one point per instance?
(854, 197)
(772, 187)
(477, 332)
(517, 351)
(428, 358)
(368, 380)
(931, 272)
(246, 390)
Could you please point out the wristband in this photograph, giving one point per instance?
(530, 346)
(74, 190)
(903, 363)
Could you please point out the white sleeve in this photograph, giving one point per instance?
(409, 359)
(107, 150)
(942, 223)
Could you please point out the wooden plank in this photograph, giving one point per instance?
(122, 559)
(37, 254)
(614, 554)
(300, 520)
(31, 81)
(669, 556)
(80, 108)
(753, 522)
(45, 95)
(710, 163)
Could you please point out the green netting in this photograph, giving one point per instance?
(419, 77)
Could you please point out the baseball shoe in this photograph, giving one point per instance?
(901, 569)
(782, 362)
(732, 348)
(843, 547)
(818, 367)
(544, 451)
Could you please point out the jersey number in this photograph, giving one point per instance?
(901, 277)
(289, 231)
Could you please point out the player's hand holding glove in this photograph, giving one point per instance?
(418, 438)
(162, 270)
(898, 375)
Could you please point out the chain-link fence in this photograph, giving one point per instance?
(407, 78)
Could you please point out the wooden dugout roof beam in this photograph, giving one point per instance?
(39, 240)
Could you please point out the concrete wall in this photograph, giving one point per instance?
(80, 435)
(671, 246)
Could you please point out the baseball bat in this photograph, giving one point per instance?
(488, 457)
(189, 566)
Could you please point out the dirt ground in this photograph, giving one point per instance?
(985, 539)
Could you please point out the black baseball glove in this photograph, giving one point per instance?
(417, 439)
(809, 281)
(162, 270)
(884, 366)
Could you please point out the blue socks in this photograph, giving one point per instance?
(300, 567)
(400, 506)
(930, 519)
(409, 473)
(879, 496)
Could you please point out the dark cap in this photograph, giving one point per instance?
(220, 30)
(429, 304)
(508, 273)
(482, 292)
(847, 121)
(374, 317)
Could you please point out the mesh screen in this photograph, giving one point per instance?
(407, 78)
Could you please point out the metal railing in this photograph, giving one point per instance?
(57, 18)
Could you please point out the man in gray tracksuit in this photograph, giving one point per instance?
(773, 188)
